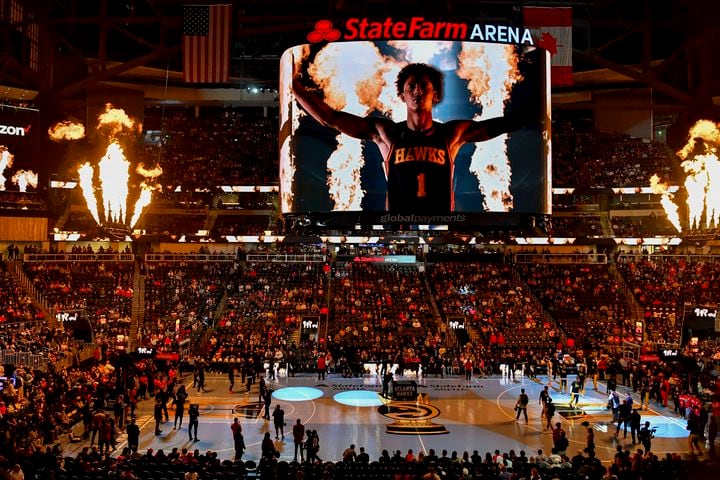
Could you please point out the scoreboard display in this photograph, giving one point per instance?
(323, 170)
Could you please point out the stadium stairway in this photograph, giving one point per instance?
(210, 220)
(637, 312)
(438, 315)
(606, 225)
(21, 278)
(138, 304)
(546, 316)
(294, 337)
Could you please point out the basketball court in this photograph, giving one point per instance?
(446, 414)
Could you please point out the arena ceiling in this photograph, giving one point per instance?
(669, 46)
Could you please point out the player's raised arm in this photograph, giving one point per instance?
(347, 123)
(478, 131)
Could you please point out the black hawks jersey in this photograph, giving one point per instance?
(419, 171)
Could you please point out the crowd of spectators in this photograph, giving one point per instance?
(15, 304)
(373, 313)
(194, 464)
(210, 146)
(163, 224)
(645, 226)
(101, 290)
(586, 300)
(213, 146)
(13, 200)
(241, 225)
(201, 149)
(488, 298)
(264, 303)
(663, 284)
(606, 159)
(576, 226)
(181, 300)
(372, 304)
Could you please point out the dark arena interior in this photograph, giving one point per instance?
(372, 239)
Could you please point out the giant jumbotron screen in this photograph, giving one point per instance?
(323, 170)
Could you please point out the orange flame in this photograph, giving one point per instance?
(363, 67)
(712, 193)
(149, 173)
(703, 173)
(142, 202)
(66, 130)
(490, 83)
(344, 166)
(704, 130)
(6, 161)
(695, 184)
(114, 173)
(115, 120)
(86, 174)
(671, 209)
(114, 176)
(23, 178)
(146, 190)
(288, 110)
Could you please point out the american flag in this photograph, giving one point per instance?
(206, 43)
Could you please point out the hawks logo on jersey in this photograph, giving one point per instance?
(420, 154)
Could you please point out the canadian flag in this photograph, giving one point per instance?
(551, 28)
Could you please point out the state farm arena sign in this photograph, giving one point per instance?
(417, 28)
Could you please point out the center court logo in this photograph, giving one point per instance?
(412, 418)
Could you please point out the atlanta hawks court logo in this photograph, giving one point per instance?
(412, 418)
(324, 31)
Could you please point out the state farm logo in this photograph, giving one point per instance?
(324, 31)
(13, 130)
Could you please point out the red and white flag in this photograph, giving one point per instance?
(551, 29)
(206, 43)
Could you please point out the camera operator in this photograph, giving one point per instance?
(645, 436)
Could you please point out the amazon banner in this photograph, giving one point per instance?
(19, 148)
(353, 140)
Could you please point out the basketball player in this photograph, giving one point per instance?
(419, 154)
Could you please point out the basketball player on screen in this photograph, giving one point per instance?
(419, 154)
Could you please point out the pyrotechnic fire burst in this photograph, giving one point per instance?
(287, 161)
(702, 183)
(113, 171)
(335, 66)
(671, 209)
(66, 130)
(21, 178)
(490, 81)
(6, 161)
